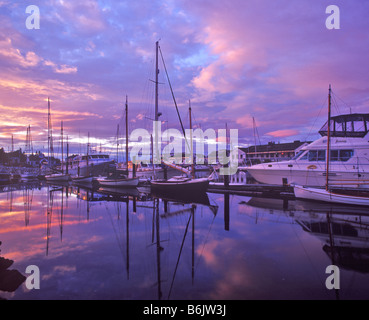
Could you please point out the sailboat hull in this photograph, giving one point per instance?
(193, 186)
(317, 194)
(58, 177)
(130, 182)
(84, 180)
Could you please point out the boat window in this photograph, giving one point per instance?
(298, 155)
(314, 155)
(349, 125)
(341, 155)
(305, 156)
(321, 155)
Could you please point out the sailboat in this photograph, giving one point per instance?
(176, 184)
(84, 179)
(57, 176)
(344, 196)
(120, 181)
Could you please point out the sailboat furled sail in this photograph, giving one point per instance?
(177, 184)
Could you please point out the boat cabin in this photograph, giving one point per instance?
(354, 125)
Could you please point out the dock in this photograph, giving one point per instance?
(253, 190)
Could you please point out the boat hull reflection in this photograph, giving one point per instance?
(343, 230)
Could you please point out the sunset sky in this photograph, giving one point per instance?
(234, 60)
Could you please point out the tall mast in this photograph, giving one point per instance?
(61, 142)
(157, 82)
(30, 140)
(127, 131)
(328, 139)
(156, 117)
(191, 143)
(48, 130)
(118, 143)
(29, 147)
(50, 148)
(67, 162)
(27, 141)
(87, 155)
(254, 129)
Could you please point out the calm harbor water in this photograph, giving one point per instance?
(107, 245)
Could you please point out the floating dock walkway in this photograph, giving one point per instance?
(253, 190)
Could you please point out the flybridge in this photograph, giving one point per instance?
(355, 125)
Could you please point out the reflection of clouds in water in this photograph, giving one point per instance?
(60, 270)
(262, 256)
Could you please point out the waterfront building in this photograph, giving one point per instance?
(271, 152)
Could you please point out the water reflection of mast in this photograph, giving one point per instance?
(331, 242)
(193, 243)
(158, 247)
(88, 205)
(127, 238)
(27, 198)
(180, 250)
(226, 211)
(11, 200)
(49, 210)
(61, 215)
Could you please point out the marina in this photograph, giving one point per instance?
(103, 229)
(167, 151)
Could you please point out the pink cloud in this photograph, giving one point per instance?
(14, 55)
(283, 133)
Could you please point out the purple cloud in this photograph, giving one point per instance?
(234, 60)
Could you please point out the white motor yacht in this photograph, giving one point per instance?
(348, 164)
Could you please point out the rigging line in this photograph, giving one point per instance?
(174, 99)
(115, 232)
(179, 256)
(307, 255)
(336, 96)
(206, 240)
(323, 105)
(335, 104)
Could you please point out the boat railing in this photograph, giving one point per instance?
(319, 165)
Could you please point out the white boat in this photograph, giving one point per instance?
(118, 182)
(27, 176)
(81, 179)
(83, 165)
(349, 160)
(334, 194)
(143, 171)
(320, 194)
(58, 177)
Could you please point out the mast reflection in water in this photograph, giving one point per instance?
(114, 244)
